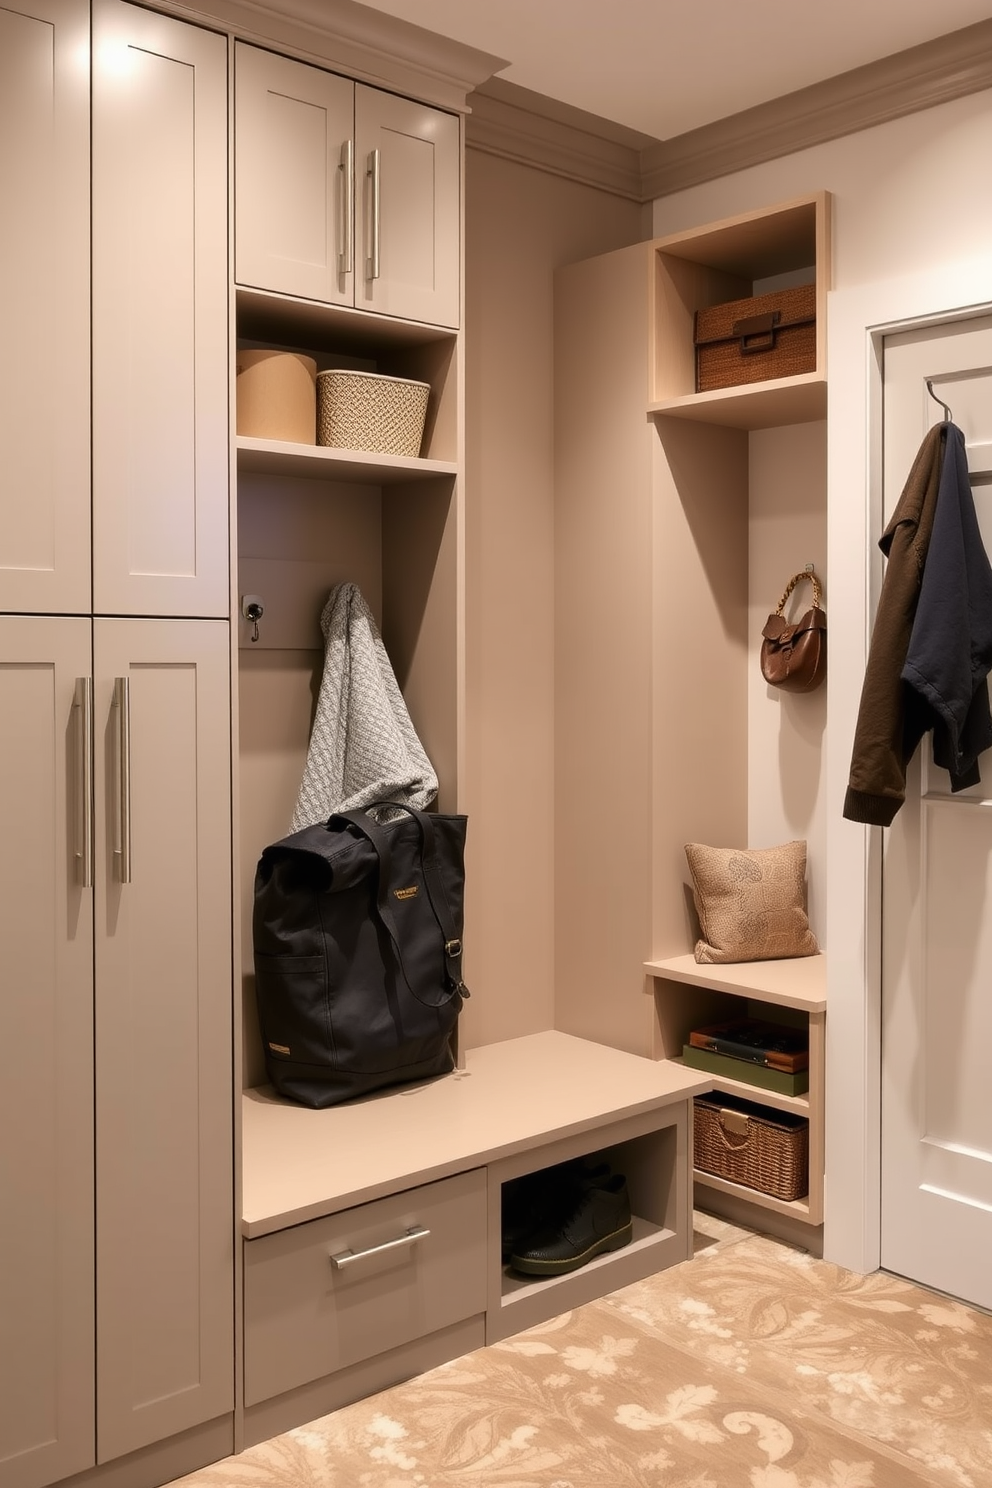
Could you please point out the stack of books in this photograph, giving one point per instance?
(769, 1055)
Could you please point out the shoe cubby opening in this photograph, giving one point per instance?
(649, 1155)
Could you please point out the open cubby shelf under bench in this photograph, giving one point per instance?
(373, 1175)
(690, 995)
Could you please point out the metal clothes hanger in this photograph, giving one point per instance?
(947, 412)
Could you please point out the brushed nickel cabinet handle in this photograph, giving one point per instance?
(345, 1258)
(346, 259)
(83, 706)
(372, 266)
(122, 702)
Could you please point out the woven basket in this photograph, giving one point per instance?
(752, 1145)
(366, 411)
(735, 342)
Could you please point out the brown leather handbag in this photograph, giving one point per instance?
(794, 656)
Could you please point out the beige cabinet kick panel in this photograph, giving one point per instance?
(512, 1097)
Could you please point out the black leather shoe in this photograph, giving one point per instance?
(598, 1220)
(539, 1200)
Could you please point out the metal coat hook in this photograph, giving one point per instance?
(947, 412)
(253, 609)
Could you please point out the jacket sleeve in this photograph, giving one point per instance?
(884, 736)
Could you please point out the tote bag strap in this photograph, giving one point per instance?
(374, 833)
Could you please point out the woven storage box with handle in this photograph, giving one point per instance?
(772, 335)
(752, 1145)
(367, 411)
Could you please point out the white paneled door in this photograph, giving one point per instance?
(937, 902)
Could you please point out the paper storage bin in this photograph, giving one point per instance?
(276, 395)
(368, 411)
(751, 1144)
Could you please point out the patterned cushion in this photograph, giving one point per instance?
(751, 902)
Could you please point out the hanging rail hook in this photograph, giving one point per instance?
(947, 412)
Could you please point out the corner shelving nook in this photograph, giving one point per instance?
(690, 995)
(743, 256)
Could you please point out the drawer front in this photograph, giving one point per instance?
(327, 1294)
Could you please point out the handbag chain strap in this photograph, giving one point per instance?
(807, 573)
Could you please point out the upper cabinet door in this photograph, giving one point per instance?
(408, 167)
(44, 268)
(160, 346)
(294, 177)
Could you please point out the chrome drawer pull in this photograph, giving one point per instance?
(348, 1257)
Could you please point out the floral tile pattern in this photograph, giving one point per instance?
(752, 1366)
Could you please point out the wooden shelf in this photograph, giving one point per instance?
(728, 261)
(796, 1208)
(511, 1098)
(798, 1104)
(756, 405)
(264, 315)
(316, 462)
(797, 982)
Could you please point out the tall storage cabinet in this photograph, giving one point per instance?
(115, 752)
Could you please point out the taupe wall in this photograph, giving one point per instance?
(522, 224)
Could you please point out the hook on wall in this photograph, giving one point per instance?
(253, 609)
(947, 412)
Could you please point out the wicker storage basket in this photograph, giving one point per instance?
(740, 341)
(752, 1145)
(366, 411)
(276, 395)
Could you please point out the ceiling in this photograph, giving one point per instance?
(662, 68)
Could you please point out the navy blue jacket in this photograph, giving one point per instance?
(950, 647)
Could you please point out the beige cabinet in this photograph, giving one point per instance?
(44, 268)
(344, 194)
(115, 894)
(160, 449)
(115, 903)
(46, 1096)
(163, 1029)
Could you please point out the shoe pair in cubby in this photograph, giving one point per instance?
(558, 1219)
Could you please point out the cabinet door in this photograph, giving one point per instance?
(163, 1029)
(160, 347)
(44, 268)
(46, 1095)
(408, 166)
(294, 180)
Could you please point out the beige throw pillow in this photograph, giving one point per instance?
(751, 902)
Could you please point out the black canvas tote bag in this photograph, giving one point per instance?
(357, 932)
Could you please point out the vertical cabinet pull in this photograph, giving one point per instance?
(346, 259)
(372, 264)
(83, 706)
(122, 702)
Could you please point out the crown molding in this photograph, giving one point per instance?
(951, 66)
(533, 130)
(365, 44)
(530, 129)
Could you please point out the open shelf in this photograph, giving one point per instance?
(796, 982)
(736, 259)
(795, 1208)
(755, 405)
(316, 462)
